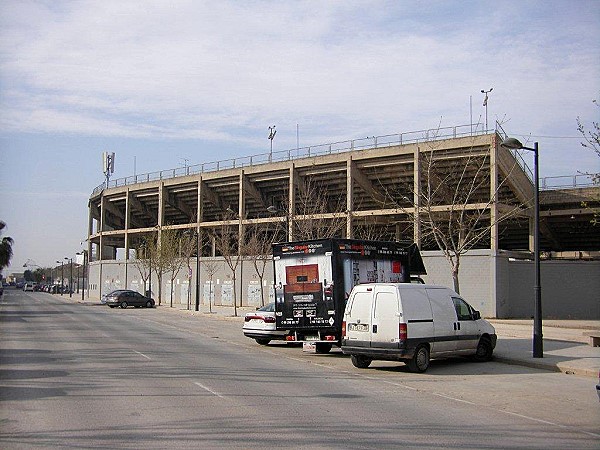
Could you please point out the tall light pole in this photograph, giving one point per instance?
(62, 276)
(538, 344)
(70, 276)
(272, 133)
(485, 103)
(84, 253)
(197, 308)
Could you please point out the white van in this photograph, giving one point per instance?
(412, 323)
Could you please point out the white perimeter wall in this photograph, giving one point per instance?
(495, 285)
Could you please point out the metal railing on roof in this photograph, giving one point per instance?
(368, 142)
(567, 182)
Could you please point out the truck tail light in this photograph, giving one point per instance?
(403, 332)
(290, 338)
(343, 329)
(330, 338)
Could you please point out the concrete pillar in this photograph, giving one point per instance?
(349, 197)
(417, 195)
(291, 212)
(494, 232)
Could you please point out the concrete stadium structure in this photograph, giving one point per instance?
(368, 188)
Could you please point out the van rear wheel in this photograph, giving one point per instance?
(420, 361)
(362, 362)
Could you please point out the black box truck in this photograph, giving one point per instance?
(313, 280)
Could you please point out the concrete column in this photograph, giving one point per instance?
(417, 195)
(291, 212)
(494, 232)
(127, 223)
(161, 204)
(349, 197)
(101, 228)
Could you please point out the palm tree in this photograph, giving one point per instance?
(6, 251)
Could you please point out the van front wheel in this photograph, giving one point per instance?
(420, 360)
(362, 362)
(484, 350)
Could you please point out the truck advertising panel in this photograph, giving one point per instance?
(313, 280)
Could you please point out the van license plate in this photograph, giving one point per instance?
(358, 327)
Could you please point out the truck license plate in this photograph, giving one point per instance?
(358, 327)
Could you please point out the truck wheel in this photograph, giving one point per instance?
(262, 341)
(320, 347)
(420, 360)
(362, 362)
(484, 350)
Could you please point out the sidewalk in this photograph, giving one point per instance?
(566, 348)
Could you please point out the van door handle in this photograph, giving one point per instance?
(456, 326)
(374, 328)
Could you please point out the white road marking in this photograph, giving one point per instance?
(145, 356)
(550, 423)
(208, 389)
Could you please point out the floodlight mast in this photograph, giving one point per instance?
(485, 104)
(272, 133)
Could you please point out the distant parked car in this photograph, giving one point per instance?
(126, 297)
(260, 325)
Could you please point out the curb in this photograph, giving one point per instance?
(584, 372)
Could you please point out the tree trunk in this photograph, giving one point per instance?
(455, 267)
(234, 297)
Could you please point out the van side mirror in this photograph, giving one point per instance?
(476, 315)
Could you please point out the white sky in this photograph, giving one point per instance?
(163, 82)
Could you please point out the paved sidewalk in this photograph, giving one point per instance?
(566, 348)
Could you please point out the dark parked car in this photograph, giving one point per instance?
(125, 298)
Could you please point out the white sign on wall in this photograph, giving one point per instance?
(254, 293)
(208, 294)
(227, 293)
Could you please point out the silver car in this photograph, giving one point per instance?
(260, 325)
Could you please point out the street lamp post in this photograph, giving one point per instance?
(62, 276)
(197, 270)
(70, 276)
(538, 344)
(84, 253)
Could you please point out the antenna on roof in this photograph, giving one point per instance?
(108, 165)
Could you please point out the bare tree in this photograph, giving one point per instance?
(591, 141)
(317, 214)
(227, 241)
(143, 259)
(257, 248)
(176, 249)
(211, 267)
(453, 202)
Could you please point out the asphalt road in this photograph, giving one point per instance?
(81, 376)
